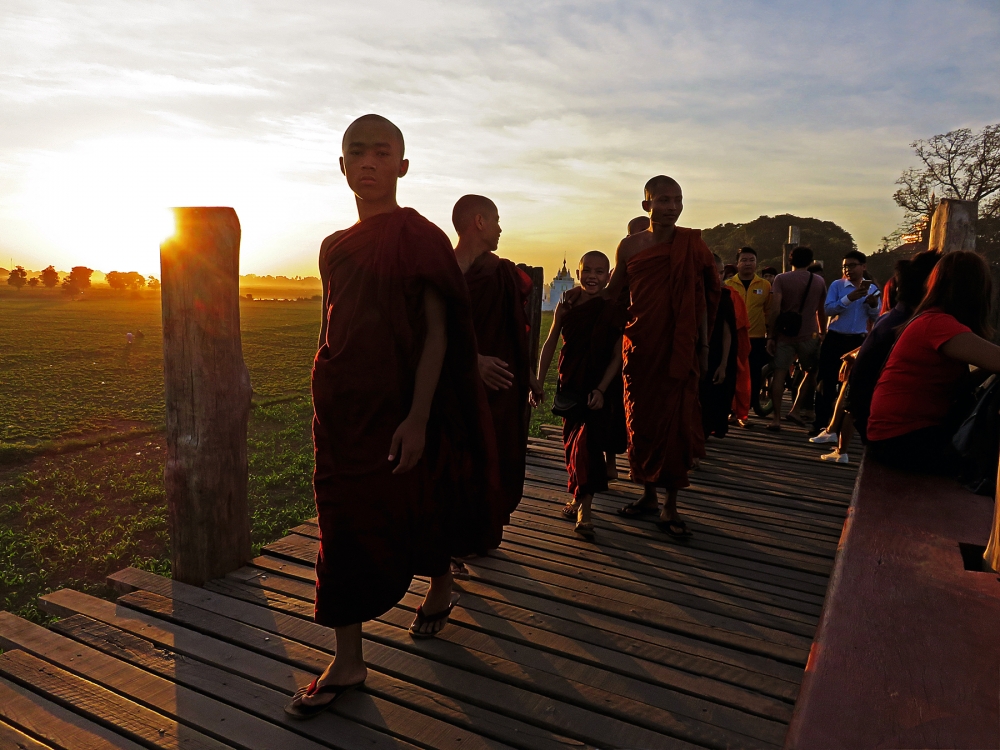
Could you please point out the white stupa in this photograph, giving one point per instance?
(554, 291)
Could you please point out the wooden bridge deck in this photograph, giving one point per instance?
(633, 641)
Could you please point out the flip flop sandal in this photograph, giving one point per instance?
(300, 710)
(568, 511)
(667, 527)
(459, 570)
(638, 508)
(421, 619)
(773, 427)
(586, 530)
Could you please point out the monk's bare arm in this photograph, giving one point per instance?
(619, 277)
(324, 275)
(408, 441)
(549, 347)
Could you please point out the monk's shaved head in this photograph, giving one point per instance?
(374, 120)
(659, 183)
(638, 224)
(594, 258)
(468, 207)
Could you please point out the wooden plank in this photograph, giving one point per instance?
(56, 726)
(736, 667)
(513, 700)
(328, 728)
(193, 709)
(434, 718)
(729, 632)
(15, 739)
(127, 718)
(565, 657)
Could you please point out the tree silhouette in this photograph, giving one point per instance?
(18, 278)
(78, 280)
(153, 283)
(33, 282)
(123, 280)
(49, 277)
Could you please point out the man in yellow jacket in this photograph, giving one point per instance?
(756, 293)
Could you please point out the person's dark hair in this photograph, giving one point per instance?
(742, 250)
(960, 285)
(911, 277)
(769, 270)
(729, 270)
(856, 255)
(801, 257)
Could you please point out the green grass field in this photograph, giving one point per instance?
(81, 442)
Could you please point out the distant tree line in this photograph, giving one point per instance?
(79, 279)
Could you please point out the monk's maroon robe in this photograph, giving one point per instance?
(499, 290)
(379, 529)
(672, 285)
(590, 333)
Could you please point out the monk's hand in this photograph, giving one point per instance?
(720, 375)
(595, 400)
(494, 373)
(537, 395)
(408, 444)
(571, 296)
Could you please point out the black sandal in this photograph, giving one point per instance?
(569, 511)
(668, 527)
(638, 508)
(302, 710)
(421, 619)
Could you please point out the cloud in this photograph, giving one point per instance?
(558, 109)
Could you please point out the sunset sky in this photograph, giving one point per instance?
(111, 111)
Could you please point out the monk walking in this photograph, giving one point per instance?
(674, 291)
(589, 370)
(499, 291)
(404, 449)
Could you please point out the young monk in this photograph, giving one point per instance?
(405, 460)
(674, 292)
(589, 363)
(499, 291)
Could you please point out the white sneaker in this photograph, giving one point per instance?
(824, 437)
(838, 458)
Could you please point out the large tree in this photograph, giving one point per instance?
(959, 164)
(78, 280)
(18, 278)
(49, 277)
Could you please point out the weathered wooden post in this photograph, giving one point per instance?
(207, 395)
(793, 242)
(953, 226)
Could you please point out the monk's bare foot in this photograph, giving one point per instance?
(438, 596)
(569, 511)
(339, 673)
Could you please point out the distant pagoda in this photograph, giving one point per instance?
(562, 282)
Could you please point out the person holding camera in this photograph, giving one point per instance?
(852, 304)
(795, 324)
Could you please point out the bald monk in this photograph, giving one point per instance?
(638, 224)
(405, 461)
(674, 292)
(499, 291)
(589, 366)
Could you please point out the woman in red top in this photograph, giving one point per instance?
(908, 428)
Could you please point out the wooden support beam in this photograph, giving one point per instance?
(207, 395)
(954, 226)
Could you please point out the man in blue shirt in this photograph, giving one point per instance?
(852, 304)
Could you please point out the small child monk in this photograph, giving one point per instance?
(405, 460)
(589, 363)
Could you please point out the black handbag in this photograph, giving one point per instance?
(567, 405)
(789, 323)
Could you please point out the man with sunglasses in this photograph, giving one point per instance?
(852, 304)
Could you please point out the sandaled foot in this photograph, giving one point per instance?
(585, 529)
(297, 709)
(569, 511)
(428, 626)
(640, 507)
(459, 570)
(795, 419)
(674, 528)
(773, 427)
